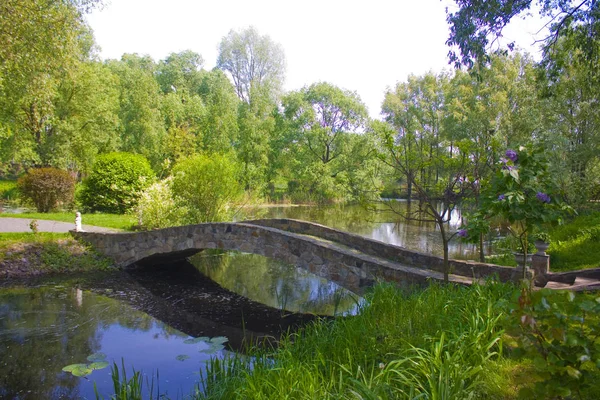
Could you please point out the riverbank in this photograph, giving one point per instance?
(442, 341)
(29, 254)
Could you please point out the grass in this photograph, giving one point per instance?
(116, 221)
(575, 245)
(442, 342)
(31, 254)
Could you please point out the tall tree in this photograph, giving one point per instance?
(41, 42)
(219, 126)
(180, 72)
(478, 25)
(255, 62)
(141, 126)
(326, 125)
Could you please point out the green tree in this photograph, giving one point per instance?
(86, 118)
(180, 72)
(220, 125)
(478, 25)
(572, 122)
(41, 42)
(326, 126)
(255, 63)
(142, 129)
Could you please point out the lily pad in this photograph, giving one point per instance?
(182, 357)
(70, 368)
(196, 340)
(98, 365)
(218, 340)
(83, 371)
(212, 348)
(97, 357)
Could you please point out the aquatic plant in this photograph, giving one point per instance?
(97, 361)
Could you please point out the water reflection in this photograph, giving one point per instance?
(44, 329)
(380, 223)
(275, 283)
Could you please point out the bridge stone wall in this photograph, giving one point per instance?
(343, 266)
(391, 252)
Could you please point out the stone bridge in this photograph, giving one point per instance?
(347, 259)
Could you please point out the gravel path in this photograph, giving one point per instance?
(22, 225)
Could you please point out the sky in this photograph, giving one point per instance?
(362, 46)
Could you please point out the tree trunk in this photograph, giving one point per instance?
(481, 252)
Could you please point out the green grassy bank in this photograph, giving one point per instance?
(442, 342)
(27, 254)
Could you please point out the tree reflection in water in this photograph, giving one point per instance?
(274, 283)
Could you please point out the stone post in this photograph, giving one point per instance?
(540, 264)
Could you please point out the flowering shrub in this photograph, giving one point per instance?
(156, 207)
(519, 193)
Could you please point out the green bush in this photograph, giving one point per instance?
(116, 182)
(206, 187)
(156, 207)
(559, 331)
(47, 188)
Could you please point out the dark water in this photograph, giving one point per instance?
(144, 318)
(379, 223)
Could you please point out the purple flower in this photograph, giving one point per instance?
(543, 197)
(512, 155)
(501, 197)
(463, 233)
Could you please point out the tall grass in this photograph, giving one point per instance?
(434, 343)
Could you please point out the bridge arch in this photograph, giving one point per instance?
(346, 259)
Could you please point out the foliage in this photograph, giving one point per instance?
(332, 155)
(47, 188)
(116, 182)
(141, 126)
(157, 208)
(43, 42)
(435, 164)
(255, 62)
(478, 25)
(523, 193)
(206, 186)
(560, 331)
(8, 190)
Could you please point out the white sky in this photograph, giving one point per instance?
(363, 46)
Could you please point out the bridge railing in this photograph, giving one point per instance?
(391, 252)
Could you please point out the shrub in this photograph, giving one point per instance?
(116, 182)
(156, 207)
(46, 188)
(206, 186)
